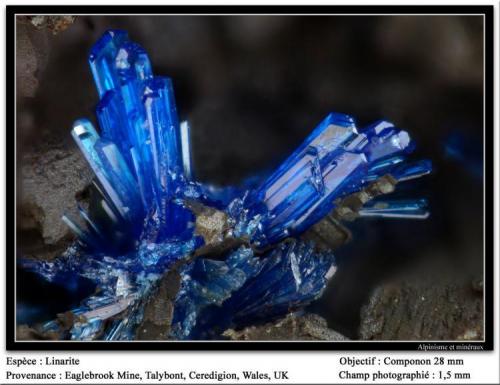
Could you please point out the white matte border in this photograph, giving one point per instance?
(317, 367)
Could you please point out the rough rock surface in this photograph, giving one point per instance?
(55, 24)
(51, 183)
(26, 333)
(418, 309)
(308, 327)
(32, 50)
(159, 310)
(330, 233)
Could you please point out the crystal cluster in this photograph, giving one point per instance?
(239, 251)
(246, 288)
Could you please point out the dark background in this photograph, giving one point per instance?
(252, 88)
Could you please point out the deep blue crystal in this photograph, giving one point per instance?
(209, 282)
(102, 58)
(335, 160)
(245, 288)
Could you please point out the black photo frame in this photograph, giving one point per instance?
(15, 345)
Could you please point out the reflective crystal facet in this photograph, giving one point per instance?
(404, 209)
(335, 160)
(216, 295)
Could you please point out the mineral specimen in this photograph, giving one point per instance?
(238, 250)
(245, 288)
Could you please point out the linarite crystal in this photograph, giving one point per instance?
(149, 215)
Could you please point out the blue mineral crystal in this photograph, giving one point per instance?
(208, 282)
(404, 209)
(245, 288)
(334, 161)
(237, 248)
